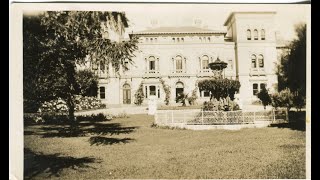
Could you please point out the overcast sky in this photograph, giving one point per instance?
(212, 15)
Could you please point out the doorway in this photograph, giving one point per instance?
(179, 89)
(126, 94)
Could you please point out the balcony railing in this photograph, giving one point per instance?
(152, 74)
(177, 71)
(257, 72)
(205, 73)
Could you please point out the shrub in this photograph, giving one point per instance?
(167, 90)
(299, 101)
(81, 103)
(224, 104)
(139, 96)
(264, 96)
(192, 99)
(182, 98)
(283, 99)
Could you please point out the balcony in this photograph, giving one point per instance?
(178, 73)
(205, 73)
(152, 74)
(257, 72)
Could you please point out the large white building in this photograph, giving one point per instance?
(180, 56)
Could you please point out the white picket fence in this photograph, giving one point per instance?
(200, 117)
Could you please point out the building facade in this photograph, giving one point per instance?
(180, 56)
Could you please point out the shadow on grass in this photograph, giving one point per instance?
(297, 121)
(98, 140)
(53, 164)
(84, 129)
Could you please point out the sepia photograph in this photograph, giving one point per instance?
(161, 91)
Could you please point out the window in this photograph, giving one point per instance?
(260, 59)
(158, 93)
(178, 63)
(248, 34)
(155, 40)
(262, 86)
(178, 39)
(253, 61)
(200, 39)
(152, 63)
(151, 39)
(147, 39)
(146, 92)
(209, 39)
(102, 91)
(255, 88)
(205, 62)
(152, 90)
(230, 64)
(263, 34)
(206, 94)
(255, 34)
(182, 39)
(173, 39)
(102, 66)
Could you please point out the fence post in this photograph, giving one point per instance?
(287, 116)
(202, 116)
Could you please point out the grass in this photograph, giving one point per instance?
(130, 148)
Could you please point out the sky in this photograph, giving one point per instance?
(213, 16)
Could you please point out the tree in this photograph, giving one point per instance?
(88, 82)
(74, 37)
(264, 96)
(283, 99)
(291, 69)
(220, 88)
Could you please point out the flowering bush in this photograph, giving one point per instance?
(224, 104)
(81, 103)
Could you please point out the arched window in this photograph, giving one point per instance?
(209, 39)
(178, 62)
(173, 39)
(200, 39)
(253, 61)
(263, 34)
(261, 61)
(255, 34)
(205, 62)
(182, 39)
(102, 92)
(248, 34)
(152, 63)
(178, 39)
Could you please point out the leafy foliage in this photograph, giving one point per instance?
(220, 88)
(264, 96)
(139, 96)
(182, 98)
(81, 103)
(192, 99)
(60, 40)
(283, 99)
(167, 90)
(88, 82)
(224, 104)
(291, 69)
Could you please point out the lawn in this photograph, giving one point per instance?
(130, 148)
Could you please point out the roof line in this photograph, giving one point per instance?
(246, 12)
